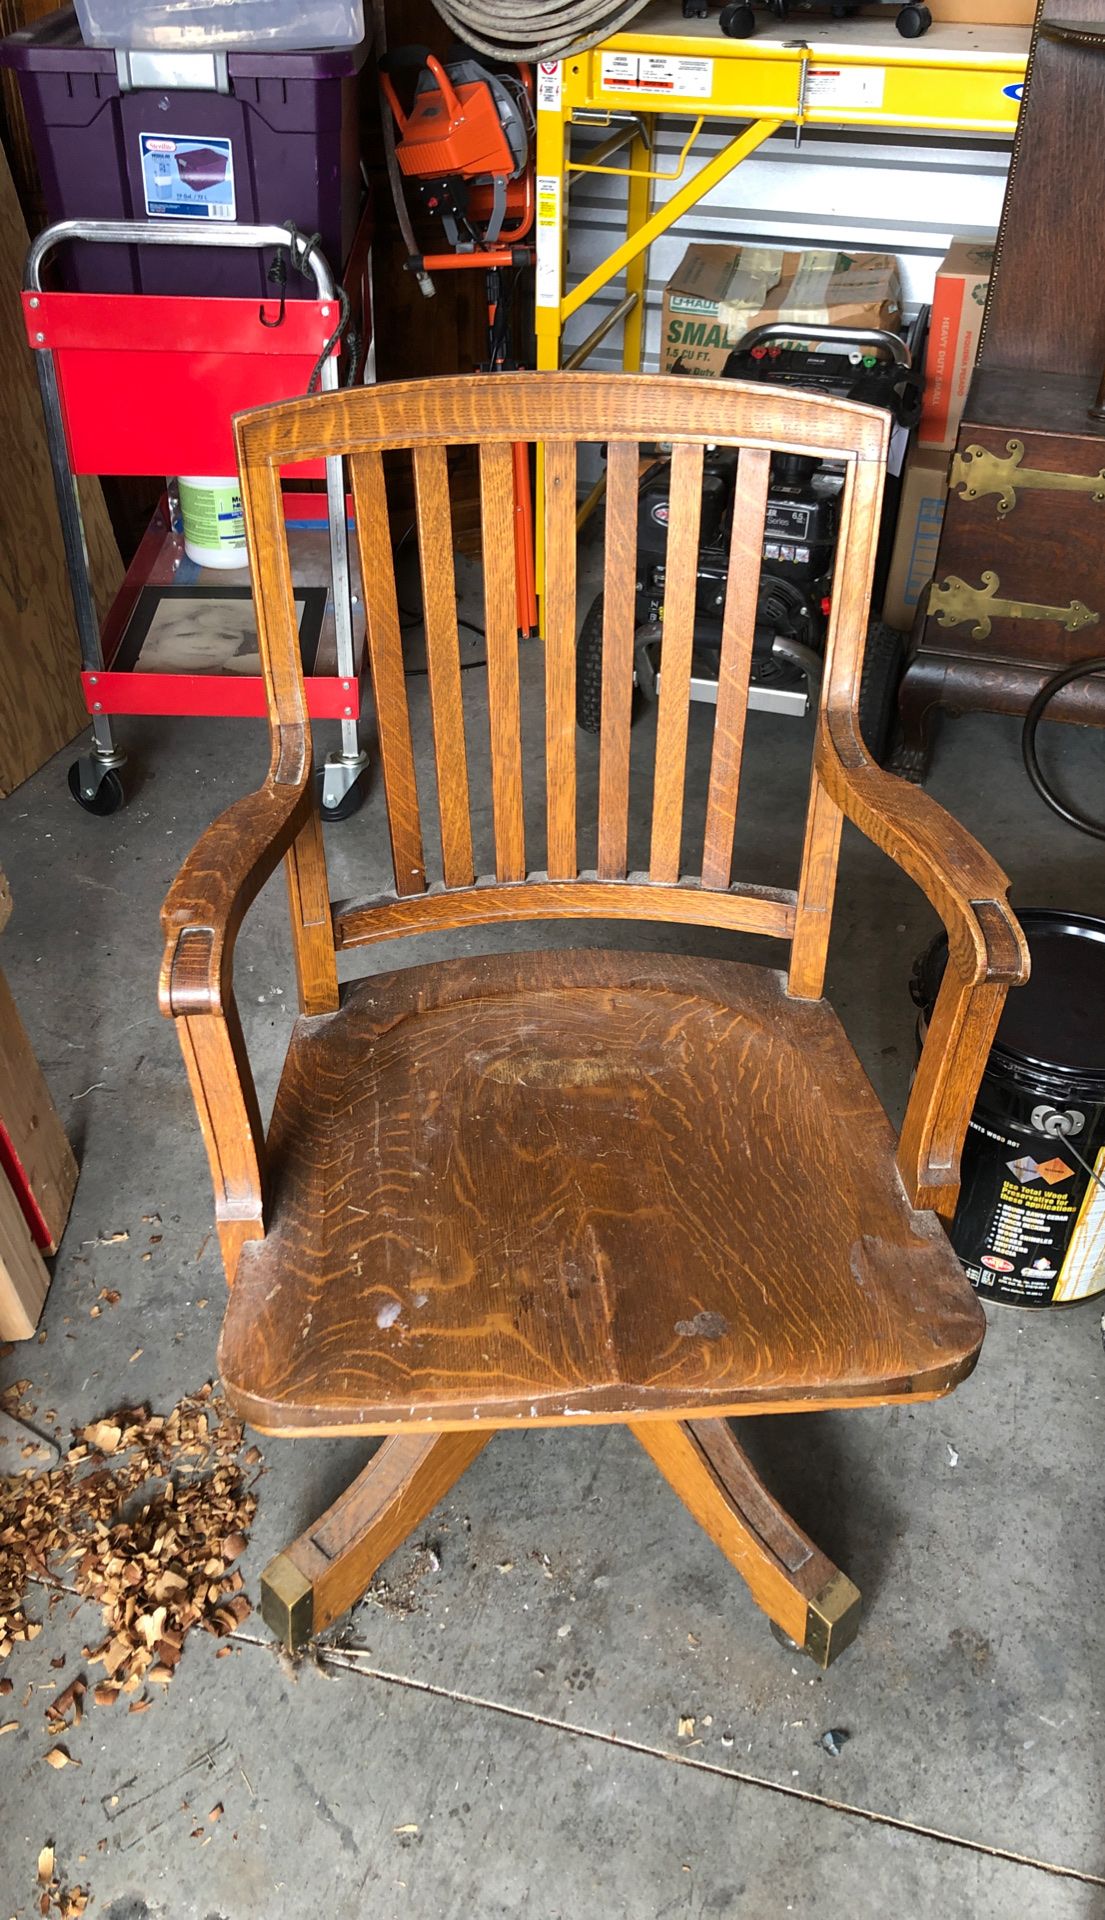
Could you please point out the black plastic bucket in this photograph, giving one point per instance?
(1030, 1224)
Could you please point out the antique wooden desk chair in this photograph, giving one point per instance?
(565, 1186)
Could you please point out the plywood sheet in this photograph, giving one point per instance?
(41, 704)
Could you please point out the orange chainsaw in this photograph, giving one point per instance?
(467, 141)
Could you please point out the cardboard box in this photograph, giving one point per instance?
(920, 517)
(957, 307)
(717, 294)
(984, 13)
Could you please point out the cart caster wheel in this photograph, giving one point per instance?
(349, 804)
(695, 9)
(738, 22)
(912, 22)
(107, 797)
(784, 1639)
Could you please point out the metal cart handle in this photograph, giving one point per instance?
(892, 343)
(170, 233)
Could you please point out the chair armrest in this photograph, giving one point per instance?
(203, 910)
(963, 882)
(211, 894)
(987, 951)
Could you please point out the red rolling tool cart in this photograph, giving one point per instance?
(140, 384)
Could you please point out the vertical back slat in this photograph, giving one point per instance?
(560, 657)
(501, 624)
(385, 654)
(439, 612)
(737, 634)
(618, 624)
(680, 577)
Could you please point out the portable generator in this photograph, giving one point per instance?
(800, 533)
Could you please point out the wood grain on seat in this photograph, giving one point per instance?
(544, 1185)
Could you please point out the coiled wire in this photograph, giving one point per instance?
(553, 28)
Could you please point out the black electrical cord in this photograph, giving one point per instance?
(1081, 670)
(299, 248)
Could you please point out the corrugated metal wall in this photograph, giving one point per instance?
(905, 196)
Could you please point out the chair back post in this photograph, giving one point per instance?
(853, 576)
(424, 419)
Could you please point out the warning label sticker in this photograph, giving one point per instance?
(547, 276)
(657, 73)
(1083, 1270)
(828, 86)
(187, 178)
(550, 85)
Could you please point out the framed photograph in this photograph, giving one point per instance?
(208, 629)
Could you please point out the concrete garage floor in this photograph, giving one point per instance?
(510, 1745)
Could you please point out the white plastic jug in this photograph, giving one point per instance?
(211, 509)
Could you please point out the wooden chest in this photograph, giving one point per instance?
(1019, 586)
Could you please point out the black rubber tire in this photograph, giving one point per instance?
(912, 22)
(738, 22)
(109, 796)
(350, 803)
(589, 669)
(883, 665)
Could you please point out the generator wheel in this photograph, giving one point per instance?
(883, 662)
(738, 22)
(913, 21)
(589, 669)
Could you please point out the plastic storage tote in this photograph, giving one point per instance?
(197, 26)
(258, 138)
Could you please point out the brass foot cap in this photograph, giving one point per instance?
(287, 1602)
(832, 1620)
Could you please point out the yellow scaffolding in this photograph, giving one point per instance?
(861, 73)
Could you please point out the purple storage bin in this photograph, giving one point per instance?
(281, 143)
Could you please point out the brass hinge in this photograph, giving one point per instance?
(955, 603)
(977, 471)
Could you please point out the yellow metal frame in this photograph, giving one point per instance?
(649, 173)
(940, 83)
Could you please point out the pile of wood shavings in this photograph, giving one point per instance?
(146, 1516)
(67, 1902)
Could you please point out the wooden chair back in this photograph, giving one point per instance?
(556, 413)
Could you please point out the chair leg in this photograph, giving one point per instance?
(796, 1585)
(323, 1573)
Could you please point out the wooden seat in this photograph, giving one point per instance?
(565, 1186)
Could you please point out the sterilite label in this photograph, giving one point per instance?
(657, 73)
(187, 176)
(845, 86)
